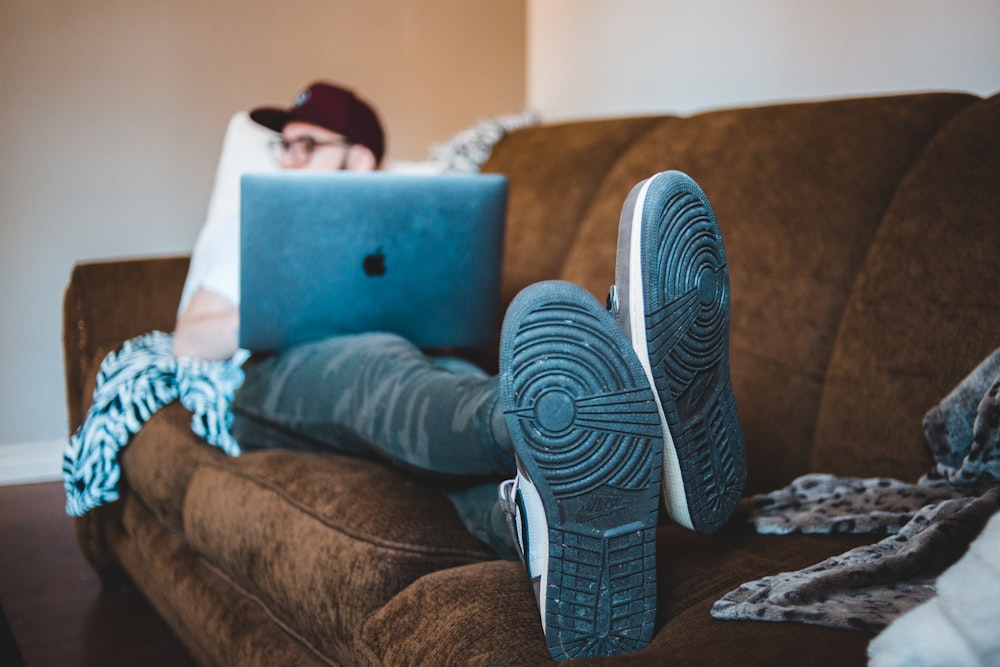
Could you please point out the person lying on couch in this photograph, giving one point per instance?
(592, 413)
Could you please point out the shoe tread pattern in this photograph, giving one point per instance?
(687, 330)
(588, 434)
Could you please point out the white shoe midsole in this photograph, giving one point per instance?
(536, 552)
(673, 483)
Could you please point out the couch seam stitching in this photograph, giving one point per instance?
(326, 521)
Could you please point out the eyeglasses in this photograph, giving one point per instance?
(301, 149)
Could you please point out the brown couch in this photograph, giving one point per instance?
(863, 237)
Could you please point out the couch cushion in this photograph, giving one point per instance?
(485, 613)
(165, 442)
(321, 540)
(799, 191)
(924, 310)
(317, 540)
(219, 622)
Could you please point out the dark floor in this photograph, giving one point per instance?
(56, 611)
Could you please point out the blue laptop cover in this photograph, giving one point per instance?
(327, 253)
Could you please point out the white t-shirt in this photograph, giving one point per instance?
(215, 260)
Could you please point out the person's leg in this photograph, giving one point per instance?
(376, 395)
(576, 384)
(484, 517)
(671, 299)
(597, 411)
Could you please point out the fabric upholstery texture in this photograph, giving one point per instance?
(923, 309)
(862, 242)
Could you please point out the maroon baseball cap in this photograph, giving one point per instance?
(335, 108)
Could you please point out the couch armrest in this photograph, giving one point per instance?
(109, 302)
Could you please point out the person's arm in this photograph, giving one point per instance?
(208, 328)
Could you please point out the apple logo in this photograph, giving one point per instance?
(374, 264)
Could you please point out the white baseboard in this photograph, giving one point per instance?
(30, 462)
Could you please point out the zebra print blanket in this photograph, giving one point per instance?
(132, 384)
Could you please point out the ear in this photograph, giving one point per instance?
(360, 158)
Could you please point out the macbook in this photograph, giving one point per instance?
(328, 253)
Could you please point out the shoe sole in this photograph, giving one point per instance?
(678, 322)
(586, 430)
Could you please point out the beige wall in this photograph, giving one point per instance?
(613, 57)
(113, 111)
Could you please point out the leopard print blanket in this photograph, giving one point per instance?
(930, 524)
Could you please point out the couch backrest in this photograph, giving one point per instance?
(924, 308)
(803, 193)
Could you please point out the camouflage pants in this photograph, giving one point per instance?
(377, 396)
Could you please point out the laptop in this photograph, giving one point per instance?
(329, 253)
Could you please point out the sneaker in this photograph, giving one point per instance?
(671, 299)
(583, 506)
